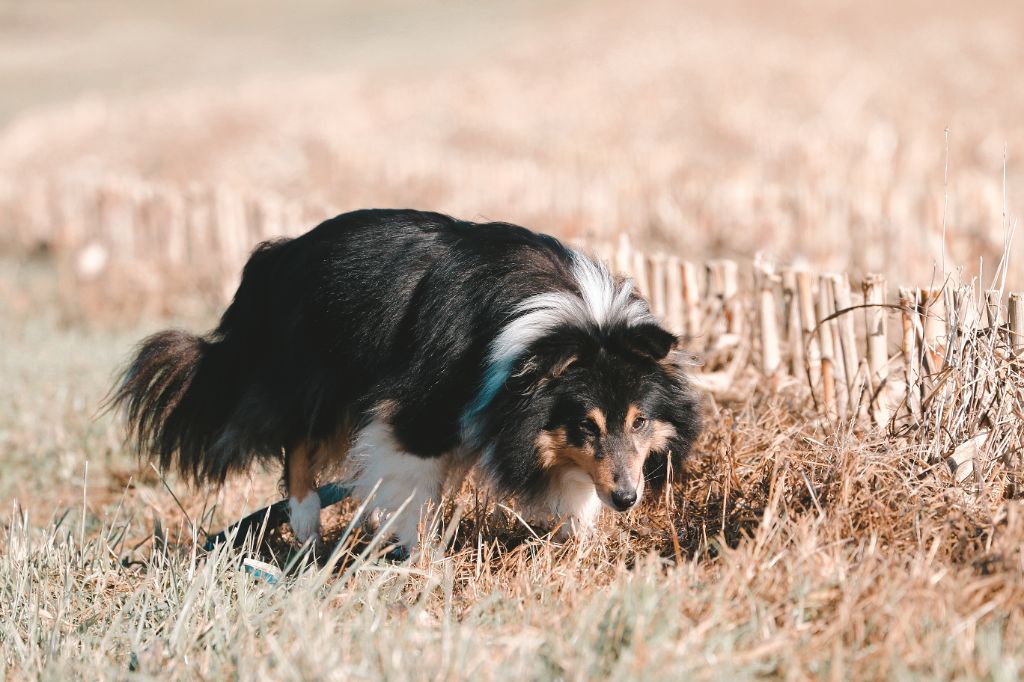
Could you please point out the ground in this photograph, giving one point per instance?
(787, 551)
(837, 136)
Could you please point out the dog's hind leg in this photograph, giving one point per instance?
(303, 502)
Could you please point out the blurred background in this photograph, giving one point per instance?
(839, 135)
(145, 147)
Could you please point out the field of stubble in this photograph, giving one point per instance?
(790, 549)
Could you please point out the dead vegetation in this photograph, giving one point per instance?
(810, 537)
(813, 133)
(792, 549)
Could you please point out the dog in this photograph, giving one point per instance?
(410, 347)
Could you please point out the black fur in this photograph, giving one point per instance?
(398, 307)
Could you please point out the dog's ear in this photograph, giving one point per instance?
(549, 358)
(646, 340)
(543, 364)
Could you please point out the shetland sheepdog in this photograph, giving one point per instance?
(411, 347)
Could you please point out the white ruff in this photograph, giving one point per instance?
(378, 462)
(600, 304)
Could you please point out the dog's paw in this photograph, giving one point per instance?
(402, 532)
(304, 518)
(572, 527)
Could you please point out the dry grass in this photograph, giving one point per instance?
(792, 550)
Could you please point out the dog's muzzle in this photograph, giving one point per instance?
(623, 499)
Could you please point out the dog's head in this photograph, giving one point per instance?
(613, 405)
(611, 402)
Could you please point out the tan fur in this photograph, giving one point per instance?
(385, 409)
(556, 453)
(556, 372)
(660, 434)
(566, 364)
(654, 437)
(306, 462)
(632, 413)
(641, 446)
(302, 471)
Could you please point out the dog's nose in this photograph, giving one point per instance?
(623, 499)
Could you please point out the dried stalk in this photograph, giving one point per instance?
(719, 291)
(877, 347)
(933, 307)
(848, 339)
(993, 307)
(730, 291)
(911, 351)
(624, 256)
(767, 319)
(831, 345)
(1016, 315)
(674, 299)
(829, 366)
(793, 328)
(810, 340)
(691, 296)
(659, 285)
(640, 274)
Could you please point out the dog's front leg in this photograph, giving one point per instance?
(400, 488)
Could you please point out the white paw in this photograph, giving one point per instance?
(406, 529)
(403, 529)
(573, 528)
(305, 517)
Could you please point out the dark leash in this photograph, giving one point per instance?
(272, 516)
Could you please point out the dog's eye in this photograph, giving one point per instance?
(639, 423)
(589, 426)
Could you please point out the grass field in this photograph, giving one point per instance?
(791, 549)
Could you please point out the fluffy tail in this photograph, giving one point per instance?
(177, 396)
(190, 401)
